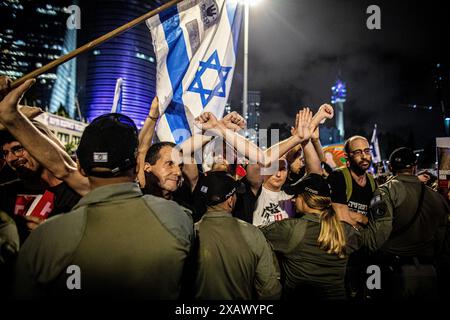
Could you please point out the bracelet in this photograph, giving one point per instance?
(153, 118)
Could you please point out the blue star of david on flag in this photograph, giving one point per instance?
(219, 90)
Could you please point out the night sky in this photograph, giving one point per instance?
(297, 49)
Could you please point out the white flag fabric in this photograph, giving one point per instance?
(117, 102)
(195, 44)
(376, 155)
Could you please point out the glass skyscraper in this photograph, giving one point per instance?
(32, 34)
(129, 56)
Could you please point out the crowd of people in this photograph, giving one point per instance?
(156, 220)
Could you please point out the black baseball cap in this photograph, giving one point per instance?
(313, 183)
(402, 158)
(218, 186)
(109, 141)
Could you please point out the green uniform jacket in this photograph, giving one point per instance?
(125, 245)
(394, 206)
(234, 261)
(303, 262)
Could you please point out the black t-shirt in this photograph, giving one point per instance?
(19, 197)
(360, 198)
(192, 200)
(246, 203)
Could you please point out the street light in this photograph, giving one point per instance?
(247, 4)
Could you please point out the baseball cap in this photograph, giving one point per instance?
(109, 141)
(313, 183)
(217, 186)
(402, 158)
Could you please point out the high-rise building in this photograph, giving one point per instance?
(339, 93)
(64, 89)
(32, 34)
(227, 109)
(129, 56)
(254, 101)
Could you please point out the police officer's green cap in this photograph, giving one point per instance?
(217, 186)
(313, 183)
(402, 158)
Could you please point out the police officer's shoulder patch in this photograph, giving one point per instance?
(377, 207)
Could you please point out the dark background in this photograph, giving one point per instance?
(298, 48)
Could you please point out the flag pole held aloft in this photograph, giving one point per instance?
(92, 44)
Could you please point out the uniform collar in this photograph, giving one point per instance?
(407, 178)
(107, 193)
(311, 217)
(216, 213)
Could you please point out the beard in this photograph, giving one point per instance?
(358, 167)
(27, 174)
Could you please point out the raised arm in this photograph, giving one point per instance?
(209, 124)
(190, 147)
(46, 151)
(146, 138)
(315, 140)
(232, 121)
(312, 161)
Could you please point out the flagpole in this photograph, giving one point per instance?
(245, 84)
(92, 44)
(117, 93)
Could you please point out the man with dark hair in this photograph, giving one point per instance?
(153, 154)
(415, 224)
(37, 193)
(122, 243)
(235, 262)
(49, 182)
(163, 170)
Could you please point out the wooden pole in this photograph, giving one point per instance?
(92, 44)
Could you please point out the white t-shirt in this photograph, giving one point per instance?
(272, 206)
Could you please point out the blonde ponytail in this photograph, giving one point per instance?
(331, 237)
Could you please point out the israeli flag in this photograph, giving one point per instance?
(195, 44)
(376, 155)
(117, 102)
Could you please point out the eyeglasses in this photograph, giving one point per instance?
(17, 151)
(359, 152)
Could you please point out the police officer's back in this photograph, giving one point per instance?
(413, 219)
(234, 262)
(116, 242)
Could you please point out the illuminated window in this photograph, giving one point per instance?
(46, 11)
(76, 140)
(144, 57)
(63, 137)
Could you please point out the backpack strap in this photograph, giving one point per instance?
(348, 181)
(373, 184)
